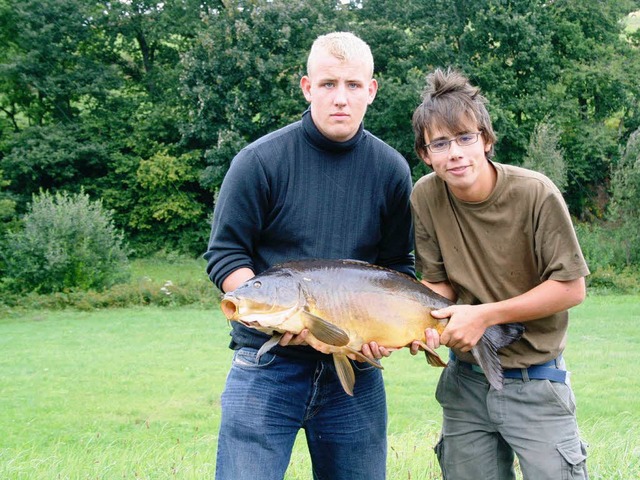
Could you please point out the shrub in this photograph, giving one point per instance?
(66, 242)
(608, 280)
(141, 293)
(602, 245)
(604, 248)
(625, 184)
(545, 155)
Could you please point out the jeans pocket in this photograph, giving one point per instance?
(245, 357)
(574, 453)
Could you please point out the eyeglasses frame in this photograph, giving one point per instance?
(454, 139)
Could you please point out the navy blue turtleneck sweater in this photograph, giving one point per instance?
(294, 194)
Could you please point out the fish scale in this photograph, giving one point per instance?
(347, 303)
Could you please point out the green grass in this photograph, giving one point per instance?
(179, 270)
(134, 394)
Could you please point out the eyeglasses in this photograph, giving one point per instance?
(464, 140)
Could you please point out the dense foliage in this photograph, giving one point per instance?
(68, 242)
(142, 104)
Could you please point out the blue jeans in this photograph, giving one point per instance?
(265, 404)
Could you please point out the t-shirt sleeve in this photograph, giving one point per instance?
(559, 254)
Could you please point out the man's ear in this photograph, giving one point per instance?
(373, 89)
(305, 85)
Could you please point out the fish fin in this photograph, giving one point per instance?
(325, 331)
(434, 359)
(486, 350)
(268, 345)
(363, 358)
(432, 356)
(345, 373)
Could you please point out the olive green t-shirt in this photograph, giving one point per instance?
(520, 236)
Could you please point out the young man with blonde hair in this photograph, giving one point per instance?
(322, 187)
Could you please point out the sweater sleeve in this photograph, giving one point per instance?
(396, 245)
(238, 217)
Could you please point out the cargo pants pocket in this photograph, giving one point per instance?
(574, 452)
(439, 451)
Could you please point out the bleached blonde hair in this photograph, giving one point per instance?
(344, 46)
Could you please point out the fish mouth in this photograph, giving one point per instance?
(229, 307)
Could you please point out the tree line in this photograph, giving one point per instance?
(142, 104)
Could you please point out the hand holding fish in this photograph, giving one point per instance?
(370, 350)
(289, 338)
(432, 340)
(373, 351)
(466, 325)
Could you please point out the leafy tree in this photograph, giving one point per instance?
(564, 62)
(544, 154)
(115, 77)
(625, 184)
(169, 204)
(55, 157)
(7, 205)
(52, 70)
(241, 85)
(101, 96)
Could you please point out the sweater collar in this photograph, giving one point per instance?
(320, 141)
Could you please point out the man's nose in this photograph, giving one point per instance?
(340, 97)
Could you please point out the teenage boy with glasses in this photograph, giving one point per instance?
(499, 240)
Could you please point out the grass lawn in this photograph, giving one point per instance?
(134, 394)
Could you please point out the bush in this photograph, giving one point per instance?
(605, 249)
(141, 293)
(66, 242)
(544, 154)
(625, 184)
(601, 245)
(608, 280)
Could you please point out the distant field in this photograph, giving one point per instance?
(134, 394)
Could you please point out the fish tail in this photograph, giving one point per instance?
(486, 350)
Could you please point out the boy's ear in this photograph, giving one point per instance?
(425, 158)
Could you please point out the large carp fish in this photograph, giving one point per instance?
(346, 303)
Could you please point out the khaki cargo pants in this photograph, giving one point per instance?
(483, 429)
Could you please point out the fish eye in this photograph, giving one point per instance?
(257, 284)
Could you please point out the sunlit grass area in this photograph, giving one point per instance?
(134, 393)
